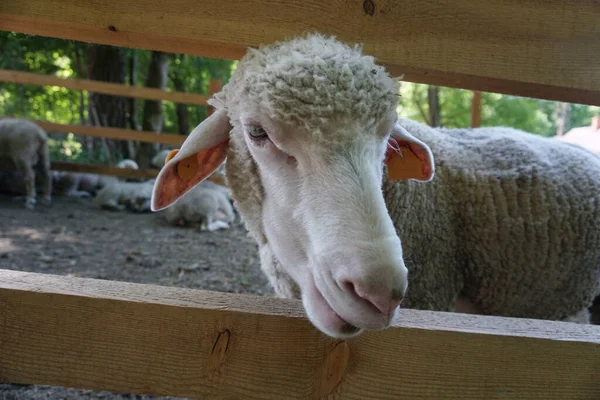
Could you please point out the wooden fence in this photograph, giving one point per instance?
(145, 339)
(108, 132)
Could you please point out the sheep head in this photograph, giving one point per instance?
(307, 126)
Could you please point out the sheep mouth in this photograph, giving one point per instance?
(331, 323)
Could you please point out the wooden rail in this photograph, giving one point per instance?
(98, 334)
(119, 172)
(101, 87)
(536, 48)
(113, 133)
(104, 170)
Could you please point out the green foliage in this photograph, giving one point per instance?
(531, 115)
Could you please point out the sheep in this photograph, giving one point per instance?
(340, 196)
(24, 148)
(84, 184)
(159, 159)
(206, 204)
(118, 196)
(127, 163)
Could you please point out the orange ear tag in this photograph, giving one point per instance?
(403, 164)
(171, 154)
(187, 168)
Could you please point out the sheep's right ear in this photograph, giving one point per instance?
(203, 151)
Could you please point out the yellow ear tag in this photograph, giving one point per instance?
(404, 166)
(187, 168)
(171, 154)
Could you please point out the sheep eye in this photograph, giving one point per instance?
(256, 132)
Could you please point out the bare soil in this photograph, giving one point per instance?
(73, 238)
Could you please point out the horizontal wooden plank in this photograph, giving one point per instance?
(101, 87)
(125, 337)
(119, 172)
(546, 48)
(104, 170)
(112, 133)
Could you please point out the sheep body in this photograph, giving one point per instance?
(491, 221)
(118, 195)
(511, 221)
(24, 148)
(206, 205)
(159, 159)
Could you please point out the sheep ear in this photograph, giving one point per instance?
(407, 157)
(203, 151)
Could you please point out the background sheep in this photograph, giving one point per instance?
(159, 159)
(206, 204)
(510, 225)
(24, 148)
(83, 184)
(117, 196)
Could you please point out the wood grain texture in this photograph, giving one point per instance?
(104, 170)
(101, 87)
(113, 133)
(541, 48)
(119, 172)
(127, 337)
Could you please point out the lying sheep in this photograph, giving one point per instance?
(328, 180)
(127, 163)
(121, 195)
(206, 205)
(83, 184)
(159, 159)
(24, 148)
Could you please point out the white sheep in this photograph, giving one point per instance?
(327, 180)
(83, 184)
(127, 163)
(159, 159)
(207, 205)
(24, 148)
(118, 196)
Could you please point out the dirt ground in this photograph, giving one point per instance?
(72, 238)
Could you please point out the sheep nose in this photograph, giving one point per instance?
(381, 301)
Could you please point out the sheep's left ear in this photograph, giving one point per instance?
(203, 151)
(407, 157)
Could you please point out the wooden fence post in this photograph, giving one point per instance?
(476, 110)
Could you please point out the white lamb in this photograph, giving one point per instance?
(159, 159)
(24, 148)
(83, 184)
(206, 205)
(121, 195)
(327, 180)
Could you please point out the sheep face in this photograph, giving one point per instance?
(316, 198)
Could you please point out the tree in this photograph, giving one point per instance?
(183, 118)
(153, 115)
(107, 64)
(433, 100)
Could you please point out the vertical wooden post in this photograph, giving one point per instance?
(476, 110)
(214, 86)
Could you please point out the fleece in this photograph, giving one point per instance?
(510, 222)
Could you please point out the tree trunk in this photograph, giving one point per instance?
(107, 64)
(132, 146)
(153, 116)
(562, 118)
(183, 121)
(476, 110)
(433, 98)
